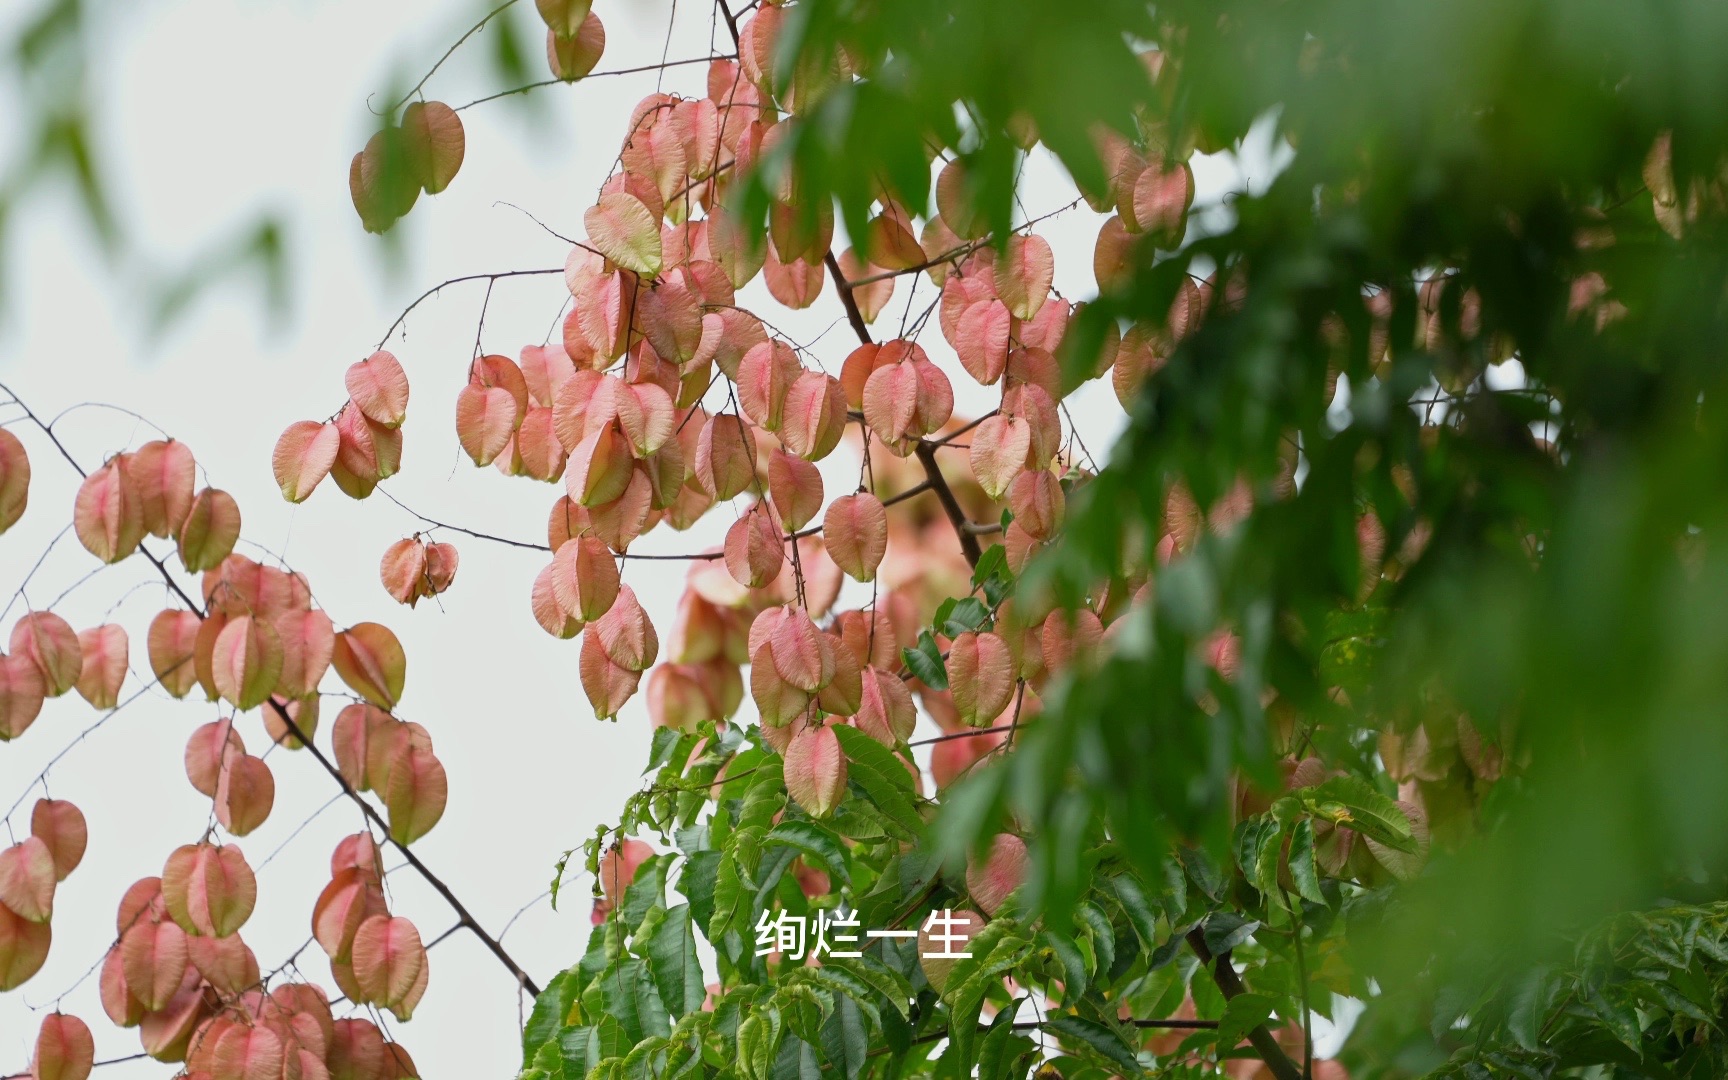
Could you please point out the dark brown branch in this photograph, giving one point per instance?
(963, 429)
(926, 452)
(456, 905)
(847, 300)
(1230, 985)
(48, 430)
(950, 505)
(704, 556)
(731, 20)
(954, 253)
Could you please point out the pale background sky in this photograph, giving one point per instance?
(214, 111)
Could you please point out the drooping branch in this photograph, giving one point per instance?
(366, 808)
(437, 883)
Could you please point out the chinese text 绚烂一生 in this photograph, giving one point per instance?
(836, 934)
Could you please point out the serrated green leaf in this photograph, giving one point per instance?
(798, 1060)
(1349, 801)
(838, 983)
(992, 563)
(996, 948)
(883, 776)
(548, 1063)
(766, 795)
(1132, 898)
(1002, 1053)
(1202, 871)
(1267, 860)
(1096, 926)
(815, 842)
(665, 741)
(1302, 866)
(846, 1038)
(625, 992)
(768, 874)
(1076, 970)
(1096, 1036)
(759, 1043)
(546, 1019)
(965, 1005)
(884, 980)
(1225, 930)
(697, 882)
(670, 949)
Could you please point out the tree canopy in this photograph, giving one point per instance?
(1380, 660)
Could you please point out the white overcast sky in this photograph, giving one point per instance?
(214, 111)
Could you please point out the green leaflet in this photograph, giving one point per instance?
(547, 1017)
(885, 981)
(846, 1037)
(766, 795)
(798, 1060)
(1132, 898)
(1302, 867)
(996, 948)
(1004, 1052)
(1267, 860)
(925, 662)
(1077, 968)
(733, 884)
(882, 776)
(1095, 928)
(957, 616)
(697, 883)
(667, 940)
(964, 1007)
(759, 1044)
(814, 841)
(1349, 801)
(1095, 1036)
(625, 992)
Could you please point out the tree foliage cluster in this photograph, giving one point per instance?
(1381, 658)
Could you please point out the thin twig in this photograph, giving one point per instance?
(475, 29)
(441, 286)
(967, 734)
(585, 78)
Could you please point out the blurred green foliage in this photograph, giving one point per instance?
(50, 60)
(1538, 179)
